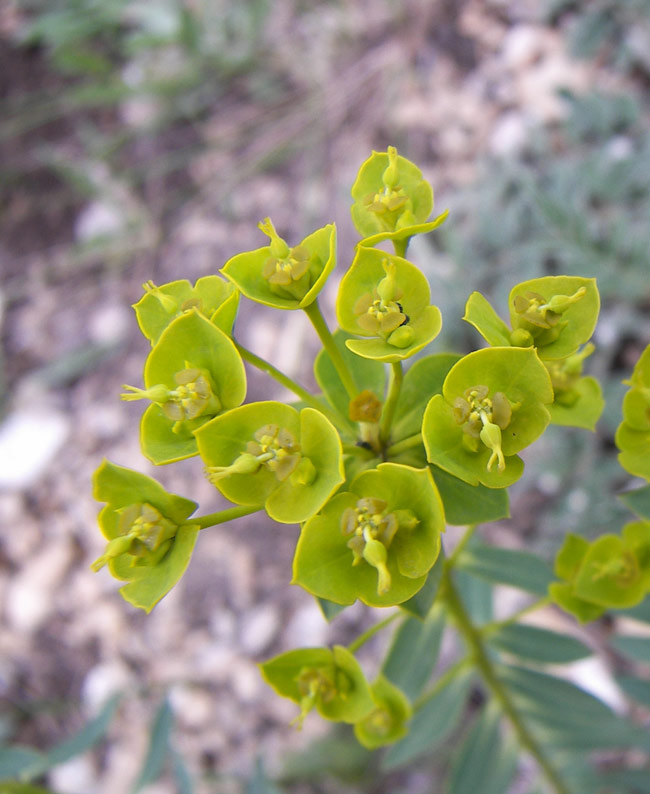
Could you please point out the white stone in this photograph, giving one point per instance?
(591, 674)
(76, 776)
(110, 324)
(29, 599)
(29, 441)
(307, 627)
(509, 134)
(102, 682)
(259, 626)
(99, 219)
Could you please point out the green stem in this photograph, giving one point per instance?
(324, 334)
(296, 388)
(360, 452)
(404, 445)
(445, 679)
(363, 638)
(482, 661)
(467, 536)
(396, 378)
(400, 246)
(495, 625)
(220, 517)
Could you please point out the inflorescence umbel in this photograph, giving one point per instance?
(375, 465)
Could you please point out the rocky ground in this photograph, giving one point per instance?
(449, 83)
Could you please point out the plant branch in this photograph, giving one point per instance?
(396, 378)
(221, 516)
(306, 396)
(404, 445)
(324, 334)
(494, 626)
(485, 667)
(363, 638)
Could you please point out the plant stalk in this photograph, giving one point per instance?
(221, 516)
(308, 398)
(476, 647)
(396, 378)
(324, 334)
(404, 445)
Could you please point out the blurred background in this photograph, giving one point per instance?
(144, 140)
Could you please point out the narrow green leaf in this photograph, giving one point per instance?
(260, 783)
(636, 688)
(88, 736)
(480, 313)
(638, 501)
(367, 374)
(537, 644)
(158, 747)
(329, 609)
(182, 776)
(12, 787)
(624, 781)
(414, 653)
(485, 762)
(519, 569)
(635, 648)
(469, 504)
(567, 717)
(432, 723)
(422, 379)
(476, 594)
(18, 761)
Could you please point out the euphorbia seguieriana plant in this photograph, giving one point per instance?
(377, 463)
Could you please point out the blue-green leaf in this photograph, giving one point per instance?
(635, 648)
(538, 645)
(414, 653)
(469, 504)
(519, 569)
(431, 723)
(158, 748)
(638, 501)
(485, 762)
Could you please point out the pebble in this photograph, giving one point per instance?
(99, 219)
(102, 682)
(29, 443)
(29, 598)
(258, 628)
(76, 776)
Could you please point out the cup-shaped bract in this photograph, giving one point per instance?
(327, 679)
(149, 541)
(555, 314)
(392, 200)
(578, 400)
(610, 572)
(633, 434)
(375, 542)
(192, 374)
(283, 277)
(493, 405)
(271, 455)
(387, 722)
(213, 296)
(386, 298)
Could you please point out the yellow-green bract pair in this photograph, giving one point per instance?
(331, 681)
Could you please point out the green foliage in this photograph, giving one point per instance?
(373, 468)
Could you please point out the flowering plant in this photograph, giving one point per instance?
(375, 466)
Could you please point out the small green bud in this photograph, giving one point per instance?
(115, 547)
(169, 304)
(245, 464)
(304, 473)
(390, 177)
(387, 287)
(520, 337)
(560, 303)
(401, 337)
